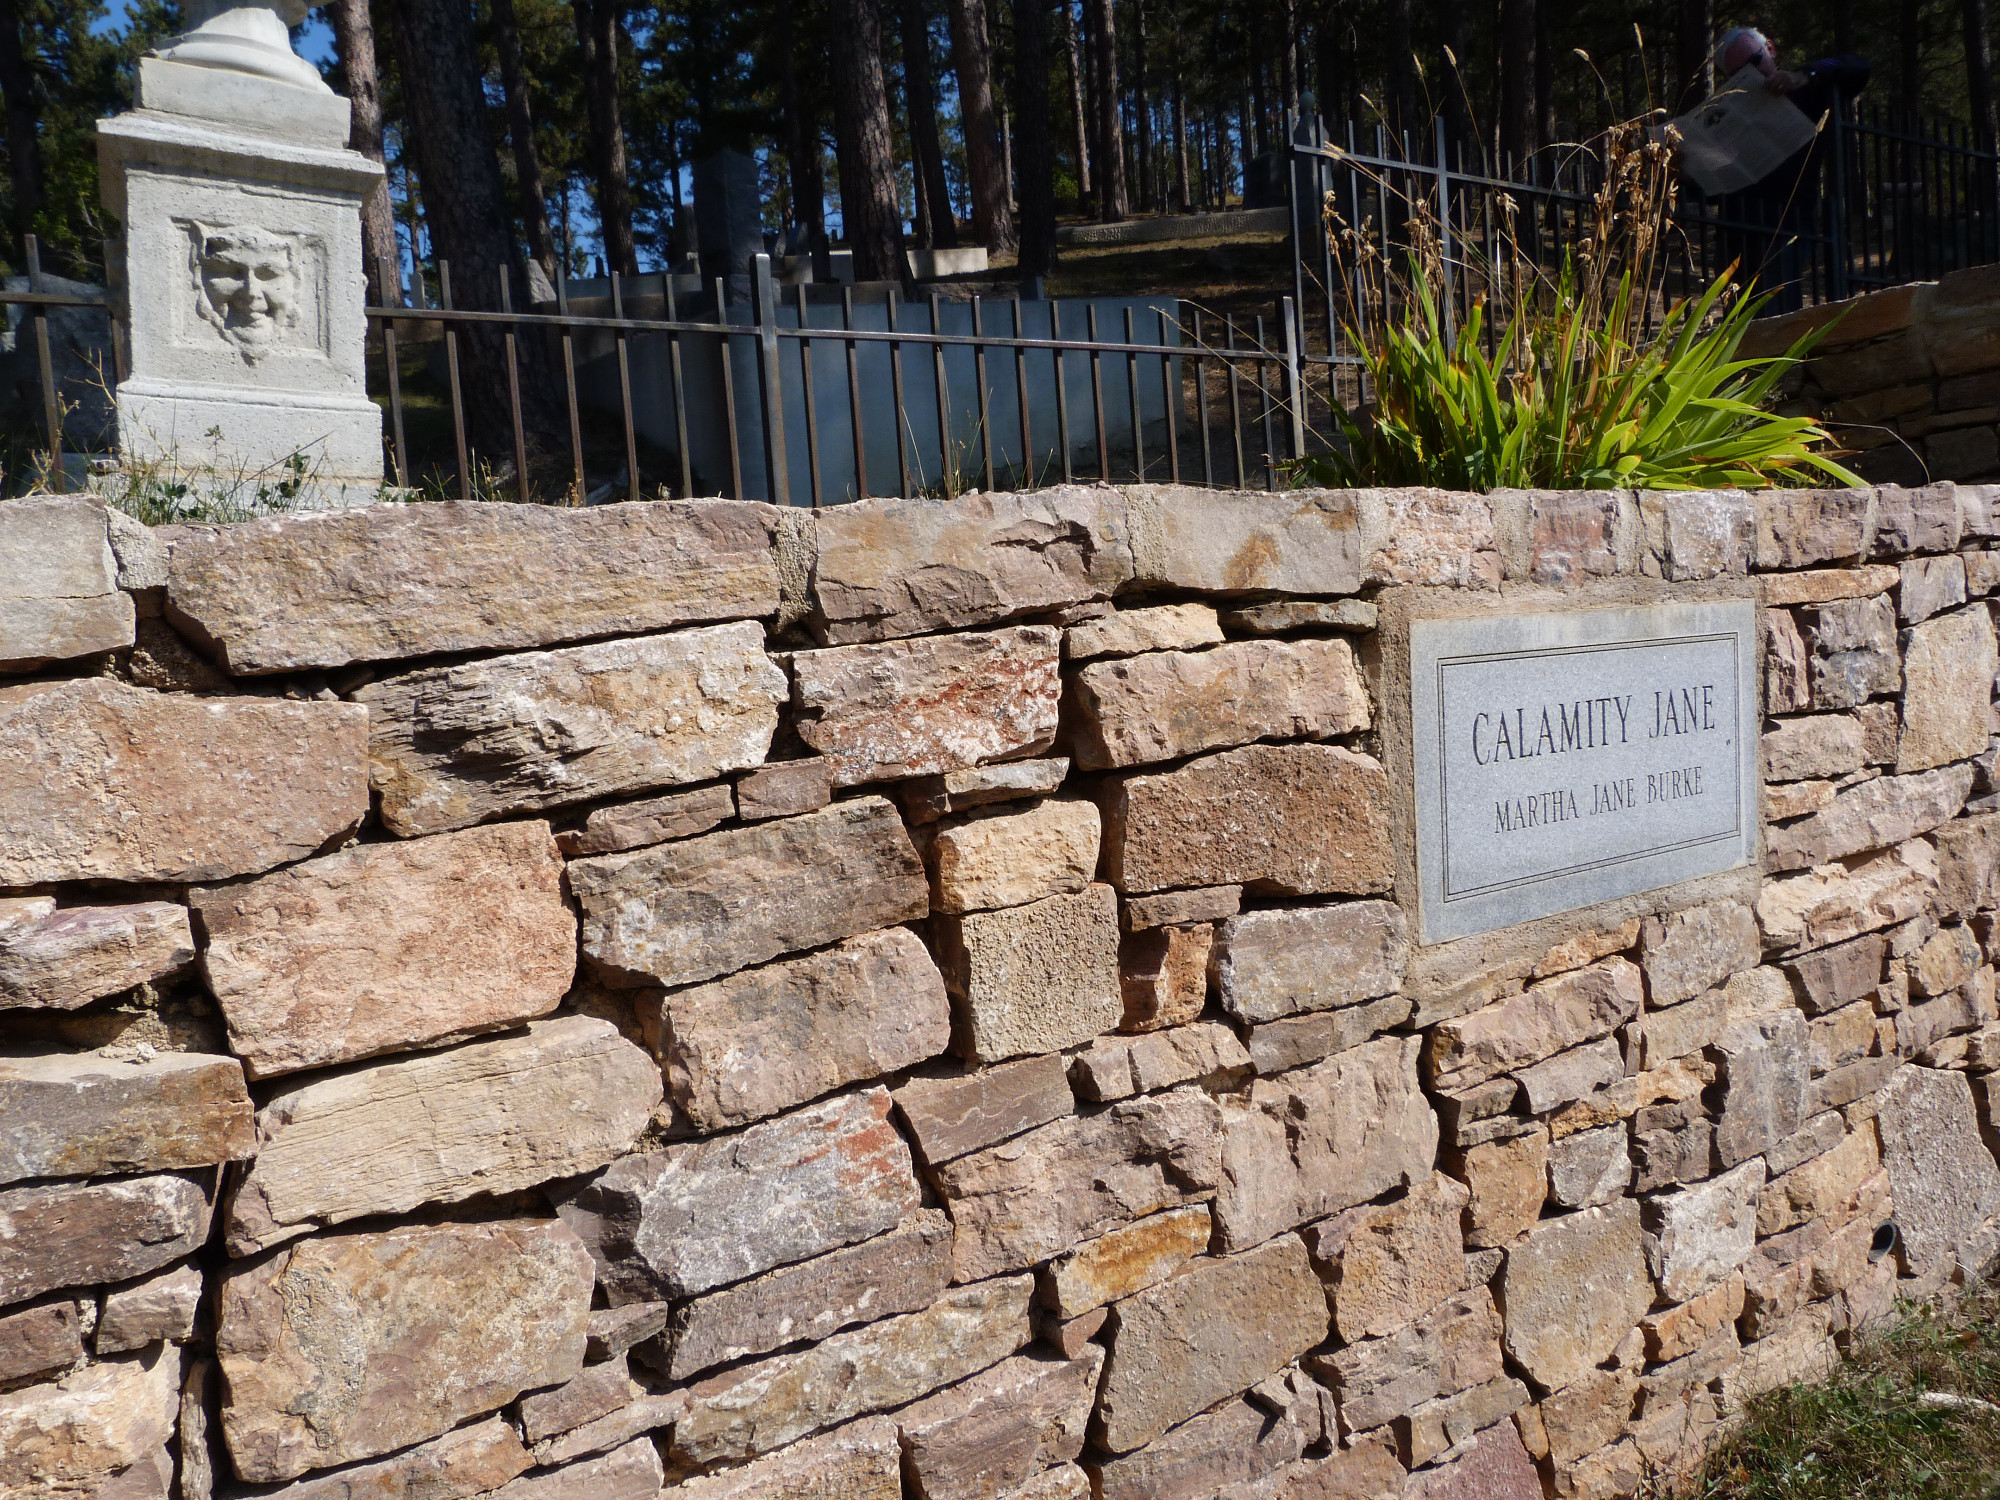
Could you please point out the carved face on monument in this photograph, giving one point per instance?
(246, 285)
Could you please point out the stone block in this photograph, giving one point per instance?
(1119, 1066)
(1831, 905)
(1290, 542)
(387, 946)
(1009, 858)
(1385, 1266)
(63, 1234)
(886, 568)
(1000, 1428)
(631, 1472)
(1881, 726)
(1497, 1467)
(82, 1114)
(599, 1390)
(1699, 533)
(633, 825)
(680, 1221)
(1125, 1261)
(94, 1431)
(1033, 978)
(1947, 960)
(1240, 1442)
(1288, 819)
(1453, 1347)
(1322, 1139)
(39, 1341)
(1819, 745)
(1948, 670)
(861, 1461)
(418, 1328)
(1278, 1046)
(1163, 975)
(1698, 1236)
(66, 959)
(1590, 1167)
(953, 1116)
(785, 789)
(178, 788)
(1764, 1075)
(1945, 1181)
(1218, 1326)
(1923, 518)
(931, 705)
(1549, 1017)
(1797, 799)
(1039, 1194)
(1283, 615)
(1797, 1349)
(1873, 815)
(1816, 1137)
(1686, 952)
(1274, 963)
(387, 582)
(1787, 666)
(692, 910)
(901, 1271)
(440, 1127)
(928, 798)
(1859, 581)
(739, 1049)
(1434, 539)
(1557, 537)
(1854, 655)
(758, 1408)
(1169, 908)
(1071, 1338)
(60, 598)
(1827, 1187)
(1682, 1329)
(1432, 1430)
(453, 746)
(465, 1461)
(613, 1330)
(1929, 585)
(1838, 976)
(1168, 704)
(1508, 1180)
(160, 1307)
(1572, 1290)
(1843, 1037)
(1968, 864)
(1797, 528)
(1130, 632)
(1572, 1075)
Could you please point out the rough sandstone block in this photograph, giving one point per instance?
(698, 908)
(1130, 632)
(1001, 1427)
(1797, 528)
(1858, 581)
(94, 1432)
(631, 1472)
(953, 1116)
(1682, 1329)
(1163, 975)
(1322, 1139)
(439, 1127)
(1826, 1187)
(1547, 1018)
(928, 706)
(99, 781)
(764, 1406)
(1452, 1347)
(418, 1328)
(928, 798)
(160, 1307)
(681, 1221)
(1294, 542)
(1686, 952)
(1590, 1167)
(1008, 858)
(1948, 669)
(1385, 1266)
(1033, 978)
(1508, 1180)
(885, 568)
(763, 1040)
(1834, 904)
(1432, 1430)
(83, 1114)
(465, 1461)
(1854, 655)
(861, 1461)
(1496, 1467)
(1699, 1235)
(1835, 977)
(1433, 539)
(1290, 819)
(1818, 745)
(785, 789)
(1875, 814)
(1697, 534)
(901, 1271)
(387, 946)
(1207, 904)
(40, 1340)
(633, 825)
(68, 958)
(1572, 1290)
(453, 746)
(394, 581)
(1575, 1074)
(1169, 704)
(1273, 963)
(1216, 1327)
(63, 1234)
(1041, 1193)
(1125, 1261)
(1787, 673)
(1764, 1076)
(1923, 518)
(1945, 1180)
(59, 594)
(1278, 1046)
(1929, 585)
(1117, 1067)
(1240, 1443)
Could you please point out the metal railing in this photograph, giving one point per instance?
(37, 299)
(749, 397)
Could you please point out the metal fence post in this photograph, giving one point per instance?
(1295, 394)
(772, 380)
(1448, 297)
(51, 405)
(1837, 226)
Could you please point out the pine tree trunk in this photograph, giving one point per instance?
(1142, 109)
(1979, 74)
(24, 148)
(597, 38)
(1112, 202)
(1181, 197)
(1909, 60)
(985, 147)
(1401, 81)
(802, 154)
(354, 44)
(1077, 109)
(521, 135)
(1517, 81)
(1034, 153)
(863, 143)
(1694, 42)
(936, 228)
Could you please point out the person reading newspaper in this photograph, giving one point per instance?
(1757, 147)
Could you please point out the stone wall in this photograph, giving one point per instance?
(1909, 377)
(920, 1001)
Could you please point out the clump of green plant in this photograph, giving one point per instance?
(1596, 379)
(1912, 1414)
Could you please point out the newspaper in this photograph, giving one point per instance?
(1740, 134)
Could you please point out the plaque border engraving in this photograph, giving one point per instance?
(1466, 641)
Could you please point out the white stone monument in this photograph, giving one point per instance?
(242, 275)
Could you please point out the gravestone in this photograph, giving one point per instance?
(1566, 759)
(242, 262)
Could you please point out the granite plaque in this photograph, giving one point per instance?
(1566, 759)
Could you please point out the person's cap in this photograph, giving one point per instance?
(1743, 45)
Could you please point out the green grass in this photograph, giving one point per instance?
(1867, 1433)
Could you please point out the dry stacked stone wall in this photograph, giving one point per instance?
(920, 1000)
